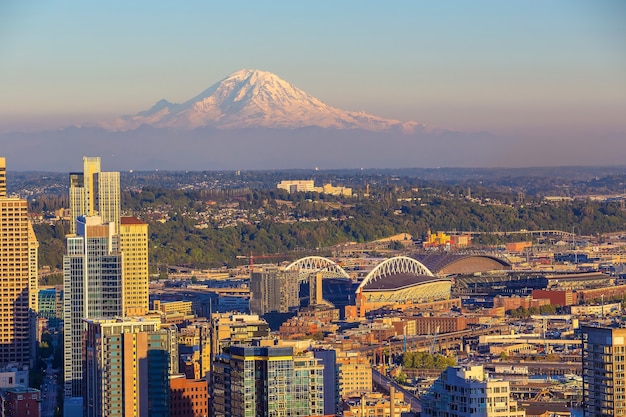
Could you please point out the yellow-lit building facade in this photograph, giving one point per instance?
(134, 247)
(93, 192)
(197, 339)
(354, 374)
(128, 363)
(377, 405)
(173, 307)
(18, 278)
(300, 186)
(228, 329)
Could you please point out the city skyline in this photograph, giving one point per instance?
(513, 73)
(472, 323)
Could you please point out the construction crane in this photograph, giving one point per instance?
(432, 345)
(252, 257)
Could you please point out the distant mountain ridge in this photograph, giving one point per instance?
(253, 120)
(252, 98)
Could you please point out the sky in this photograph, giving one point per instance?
(498, 66)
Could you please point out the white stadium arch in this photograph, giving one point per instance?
(311, 264)
(392, 266)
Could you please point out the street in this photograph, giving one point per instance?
(384, 381)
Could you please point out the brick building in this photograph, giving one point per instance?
(512, 303)
(188, 397)
(20, 401)
(560, 298)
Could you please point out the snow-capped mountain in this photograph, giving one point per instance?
(254, 98)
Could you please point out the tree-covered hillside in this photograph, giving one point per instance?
(208, 228)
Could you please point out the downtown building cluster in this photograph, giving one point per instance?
(123, 358)
(117, 361)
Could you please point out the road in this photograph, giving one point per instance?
(50, 385)
(49, 392)
(385, 381)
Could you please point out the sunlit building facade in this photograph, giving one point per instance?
(469, 392)
(263, 381)
(127, 365)
(93, 192)
(107, 197)
(18, 276)
(354, 374)
(189, 397)
(134, 247)
(232, 329)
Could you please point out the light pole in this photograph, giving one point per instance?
(574, 246)
(602, 306)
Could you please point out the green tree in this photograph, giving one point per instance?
(401, 378)
(547, 309)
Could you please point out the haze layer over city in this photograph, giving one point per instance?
(474, 84)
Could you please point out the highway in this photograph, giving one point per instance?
(424, 342)
(386, 382)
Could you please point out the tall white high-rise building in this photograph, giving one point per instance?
(94, 193)
(93, 288)
(107, 197)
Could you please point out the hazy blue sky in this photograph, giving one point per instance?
(502, 66)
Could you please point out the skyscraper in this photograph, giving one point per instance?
(33, 289)
(92, 281)
(134, 247)
(274, 289)
(603, 360)
(78, 198)
(265, 381)
(107, 196)
(93, 192)
(91, 166)
(18, 278)
(127, 365)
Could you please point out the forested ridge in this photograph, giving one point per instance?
(210, 229)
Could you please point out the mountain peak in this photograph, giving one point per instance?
(252, 73)
(253, 98)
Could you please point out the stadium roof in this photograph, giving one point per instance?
(400, 281)
(455, 263)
